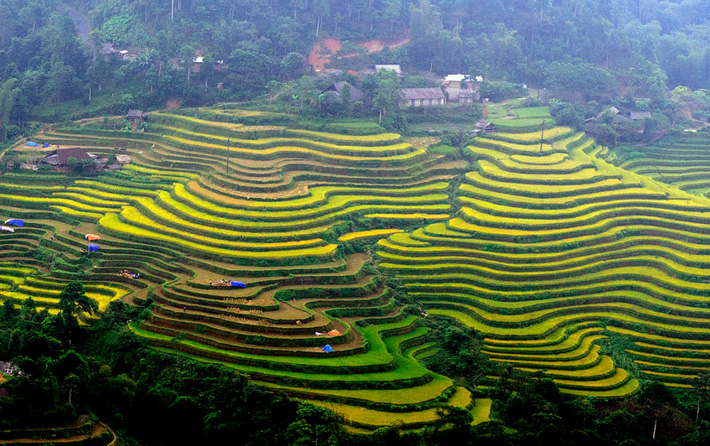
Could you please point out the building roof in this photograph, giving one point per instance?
(61, 156)
(421, 93)
(613, 111)
(198, 59)
(455, 78)
(108, 48)
(485, 125)
(355, 94)
(135, 114)
(396, 68)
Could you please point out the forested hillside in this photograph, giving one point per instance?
(50, 51)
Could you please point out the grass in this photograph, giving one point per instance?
(380, 137)
(532, 112)
(295, 151)
(629, 387)
(533, 137)
(375, 418)
(607, 383)
(367, 234)
(604, 367)
(318, 196)
(266, 142)
(520, 123)
(115, 225)
(481, 411)
(379, 352)
(416, 395)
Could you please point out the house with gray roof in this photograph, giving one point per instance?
(421, 97)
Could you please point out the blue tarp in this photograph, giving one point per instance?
(15, 222)
(92, 247)
(31, 144)
(46, 145)
(237, 284)
(328, 348)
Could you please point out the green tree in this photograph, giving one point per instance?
(657, 401)
(8, 95)
(292, 66)
(73, 300)
(701, 386)
(386, 98)
(304, 90)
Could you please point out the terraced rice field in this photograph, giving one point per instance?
(555, 250)
(546, 249)
(682, 161)
(274, 216)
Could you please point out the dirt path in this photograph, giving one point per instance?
(99, 429)
(324, 50)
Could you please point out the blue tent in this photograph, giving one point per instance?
(46, 145)
(92, 247)
(15, 222)
(237, 284)
(31, 144)
(328, 348)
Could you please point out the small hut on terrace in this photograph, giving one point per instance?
(136, 118)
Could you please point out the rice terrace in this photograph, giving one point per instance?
(569, 260)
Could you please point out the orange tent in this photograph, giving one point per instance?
(333, 333)
(92, 237)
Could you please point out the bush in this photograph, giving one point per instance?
(498, 91)
(571, 115)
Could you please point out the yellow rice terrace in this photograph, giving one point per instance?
(315, 261)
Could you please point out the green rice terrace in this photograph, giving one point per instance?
(592, 273)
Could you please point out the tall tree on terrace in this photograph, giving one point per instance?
(74, 301)
(386, 93)
(657, 402)
(701, 385)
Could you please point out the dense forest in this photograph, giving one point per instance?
(50, 51)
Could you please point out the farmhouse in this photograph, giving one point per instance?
(337, 89)
(396, 68)
(461, 95)
(135, 117)
(59, 159)
(421, 97)
(486, 127)
(618, 116)
(458, 81)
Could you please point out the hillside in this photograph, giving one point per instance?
(564, 263)
(84, 58)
